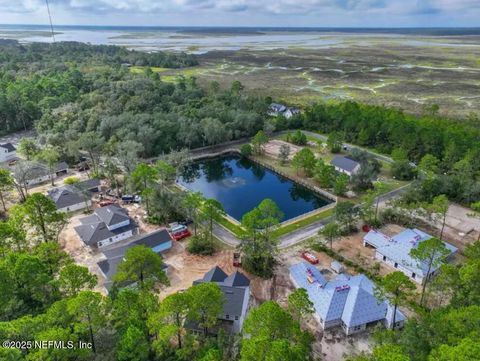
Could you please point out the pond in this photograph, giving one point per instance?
(240, 184)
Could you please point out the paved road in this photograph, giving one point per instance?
(350, 146)
(304, 233)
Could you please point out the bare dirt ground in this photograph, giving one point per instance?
(272, 148)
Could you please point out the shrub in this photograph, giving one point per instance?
(246, 150)
(71, 180)
(201, 245)
(298, 138)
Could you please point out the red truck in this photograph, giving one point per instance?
(179, 232)
(309, 257)
(237, 261)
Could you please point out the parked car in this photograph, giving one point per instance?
(179, 231)
(131, 198)
(106, 203)
(237, 260)
(309, 257)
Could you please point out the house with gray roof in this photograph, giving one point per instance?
(345, 165)
(39, 173)
(346, 301)
(106, 226)
(276, 109)
(69, 199)
(8, 152)
(395, 251)
(236, 290)
(159, 241)
(91, 185)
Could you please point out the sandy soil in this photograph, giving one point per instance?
(272, 148)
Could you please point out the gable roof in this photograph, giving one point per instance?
(349, 299)
(345, 163)
(9, 147)
(112, 214)
(65, 197)
(216, 274)
(398, 248)
(276, 107)
(61, 166)
(237, 279)
(154, 239)
(87, 184)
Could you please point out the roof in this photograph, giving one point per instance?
(65, 196)
(278, 107)
(233, 288)
(87, 184)
(94, 228)
(154, 239)
(349, 299)
(398, 247)
(9, 147)
(112, 214)
(345, 163)
(237, 279)
(61, 166)
(216, 274)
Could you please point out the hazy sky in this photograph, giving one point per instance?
(358, 13)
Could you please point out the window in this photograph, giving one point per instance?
(384, 258)
(413, 275)
(227, 317)
(236, 318)
(396, 265)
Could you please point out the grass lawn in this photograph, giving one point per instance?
(303, 222)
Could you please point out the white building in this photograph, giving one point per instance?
(106, 226)
(346, 301)
(69, 199)
(345, 165)
(395, 251)
(7, 152)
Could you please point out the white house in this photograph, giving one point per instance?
(236, 291)
(276, 110)
(106, 226)
(39, 173)
(7, 152)
(345, 165)
(346, 301)
(395, 251)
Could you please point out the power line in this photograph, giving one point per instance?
(50, 18)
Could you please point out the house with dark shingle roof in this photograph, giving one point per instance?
(236, 291)
(346, 301)
(106, 226)
(39, 173)
(159, 241)
(69, 199)
(345, 165)
(7, 152)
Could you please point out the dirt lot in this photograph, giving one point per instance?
(272, 148)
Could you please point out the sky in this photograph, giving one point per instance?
(298, 13)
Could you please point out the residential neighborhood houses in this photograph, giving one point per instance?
(38, 173)
(395, 251)
(345, 165)
(346, 301)
(107, 225)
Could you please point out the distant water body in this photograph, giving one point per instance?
(205, 39)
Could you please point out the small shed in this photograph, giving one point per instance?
(337, 267)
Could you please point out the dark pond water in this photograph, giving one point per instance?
(240, 185)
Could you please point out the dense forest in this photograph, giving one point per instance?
(36, 78)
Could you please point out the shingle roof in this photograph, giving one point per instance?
(398, 248)
(344, 163)
(94, 228)
(8, 146)
(237, 279)
(233, 288)
(61, 166)
(216, 274)
(65, 197)
(154, 239)
(350, 299)
(112, 214)
(280, 108)
(87, 184)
